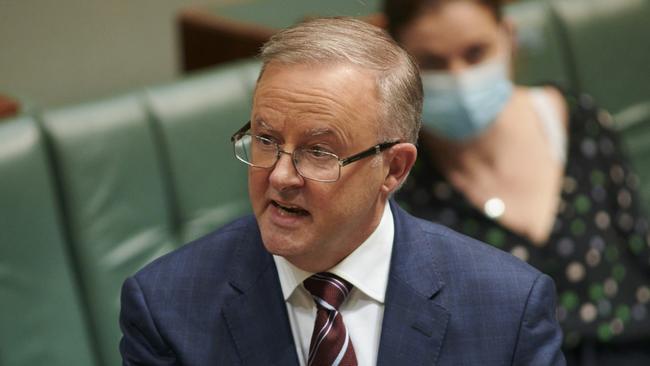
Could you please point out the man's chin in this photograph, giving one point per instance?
(282, 245)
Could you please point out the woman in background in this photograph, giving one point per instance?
(532, 171)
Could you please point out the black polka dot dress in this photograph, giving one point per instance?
(598, 252)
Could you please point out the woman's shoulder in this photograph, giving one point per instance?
(579, 110)
(557, 100)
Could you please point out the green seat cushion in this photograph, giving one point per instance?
(41, 316)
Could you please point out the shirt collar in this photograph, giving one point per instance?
(366, 268)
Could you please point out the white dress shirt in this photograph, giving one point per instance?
(367, 270)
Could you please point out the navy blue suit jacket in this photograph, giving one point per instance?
(450, 301)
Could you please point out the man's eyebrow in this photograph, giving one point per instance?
(261, 124)
(319, 131)
(312, 132)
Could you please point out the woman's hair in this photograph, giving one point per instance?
(331, 41)
(401, 12)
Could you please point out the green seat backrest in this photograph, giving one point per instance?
(540, 53)
(41, 316)
(196, 118)
(115, 200)
(610, 45)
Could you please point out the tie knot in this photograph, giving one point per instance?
(329, 290)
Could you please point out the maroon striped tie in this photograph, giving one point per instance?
(330, 343)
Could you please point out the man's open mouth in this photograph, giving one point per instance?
(290, 210)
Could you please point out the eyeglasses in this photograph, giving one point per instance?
(313, 164)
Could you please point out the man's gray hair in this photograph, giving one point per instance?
(347, 40)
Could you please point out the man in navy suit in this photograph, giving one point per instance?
(335, 118)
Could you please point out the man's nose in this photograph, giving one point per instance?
(284, 174)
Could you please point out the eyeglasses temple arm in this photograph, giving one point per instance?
(241, 131)
(372, 151)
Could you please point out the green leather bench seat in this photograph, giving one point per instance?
(144, 173)
(42, 321)
(115, 198)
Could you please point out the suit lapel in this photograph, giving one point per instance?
(257, 318)
(415, 319)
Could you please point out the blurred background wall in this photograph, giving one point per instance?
(55, 52)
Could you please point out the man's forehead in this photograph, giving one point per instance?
(318, 100)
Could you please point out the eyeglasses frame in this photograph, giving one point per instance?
(374, 150)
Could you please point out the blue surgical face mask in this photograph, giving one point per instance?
(462, 106)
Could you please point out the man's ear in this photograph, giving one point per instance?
(399, 161)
